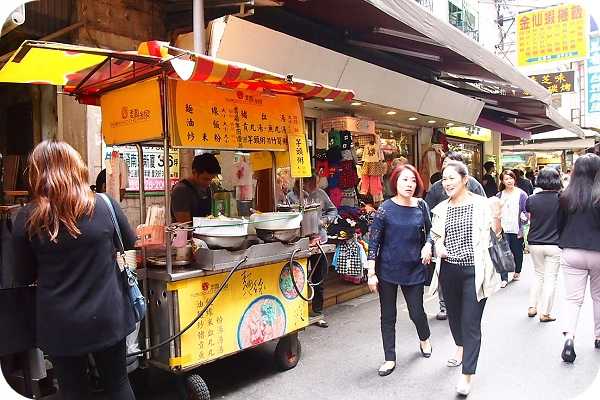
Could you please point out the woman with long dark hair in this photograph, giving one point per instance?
(578, 232)
(514, 217)
(398, 248)
(461, 232)
(543, 243)
(63, 239)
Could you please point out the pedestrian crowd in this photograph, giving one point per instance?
(557, 220)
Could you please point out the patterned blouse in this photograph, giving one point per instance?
(459, 235)
(395, 241)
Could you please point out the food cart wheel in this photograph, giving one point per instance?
(287, 352)
(195, 388)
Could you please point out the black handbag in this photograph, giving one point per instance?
(429, 268)
(502, 257)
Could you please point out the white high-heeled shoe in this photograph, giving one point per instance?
(463, 390)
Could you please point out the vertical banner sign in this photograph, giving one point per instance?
(154, 172)
(593, 76)
(208, 117)
(299, 157)
(552, 34)
(132, 114)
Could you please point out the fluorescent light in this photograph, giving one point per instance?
(450, 124)
(328, 99)
(412, 119)
(409, 53)
(408, 36)
(391, 113)
(356, 103)
(431, 121)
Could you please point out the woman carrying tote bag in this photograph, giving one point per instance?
(461, 232)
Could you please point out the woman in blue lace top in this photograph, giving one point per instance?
(399, 245)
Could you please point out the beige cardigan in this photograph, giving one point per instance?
(487, 280)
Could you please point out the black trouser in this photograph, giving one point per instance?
(318, 262)
(464, 311)
(516, 247)
(71, 373)
(413, 295)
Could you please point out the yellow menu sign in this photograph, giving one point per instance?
(552, 34)
(132, 114)
(299, 157)
(206, 116)
(257, 304)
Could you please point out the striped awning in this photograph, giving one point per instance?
(87, 72)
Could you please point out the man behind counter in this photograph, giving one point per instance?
(192, 197)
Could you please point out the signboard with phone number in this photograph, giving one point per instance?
(153, 159)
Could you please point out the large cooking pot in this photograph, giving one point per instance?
(310, 217)
(276, 221)
(220, 226)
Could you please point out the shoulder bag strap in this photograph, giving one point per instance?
(426, 225)
(192, 188)
(114, 220)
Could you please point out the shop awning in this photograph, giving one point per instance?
(560, 139)
(402, 35)
(87, 72)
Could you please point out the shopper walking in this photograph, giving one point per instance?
(399, 246)
(578, 230)
(512, 200)
(461, 232)
(63, 239)
(543, 243)
(436, 195)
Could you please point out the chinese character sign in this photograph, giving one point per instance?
(132, 114)
(258, 304)
(154, 171)
(299, 157)
(205, 116)
(556, 82)
(553, 34)
(593, 76)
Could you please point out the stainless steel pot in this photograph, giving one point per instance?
(279, 235)
(222, 242)
(310, 217)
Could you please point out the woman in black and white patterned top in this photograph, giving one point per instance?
(461, 232)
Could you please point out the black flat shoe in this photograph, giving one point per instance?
(427, 354)
(597, 343)
(568, 353)
(386, 372)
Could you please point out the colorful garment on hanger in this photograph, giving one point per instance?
(345, 140)
(334, 138)
(351, 258)
(334, 154)
(348, 176)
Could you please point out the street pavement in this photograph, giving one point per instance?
(520, 358)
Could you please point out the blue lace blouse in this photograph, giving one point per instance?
(395, 241)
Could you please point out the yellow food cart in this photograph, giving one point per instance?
(228, 300)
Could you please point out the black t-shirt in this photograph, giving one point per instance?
(543, 208)
(490, 187)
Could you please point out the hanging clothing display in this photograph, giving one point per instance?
(431, 162)
(117, 175)
(345, 140)
(348, 175)
(350, 260)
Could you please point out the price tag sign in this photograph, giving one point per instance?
(299, 157)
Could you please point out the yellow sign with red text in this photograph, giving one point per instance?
(257, 304)
(299, 157)
(552, 34)
(132, 114)
(207, 116)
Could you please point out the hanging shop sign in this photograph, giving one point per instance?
(593, 76)
(552, 34)
(206, 116)
(556, 82)
(132, 114)
(257, 305)
(154, 171)
(262, 159)
(299, 157)
(470, 132)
